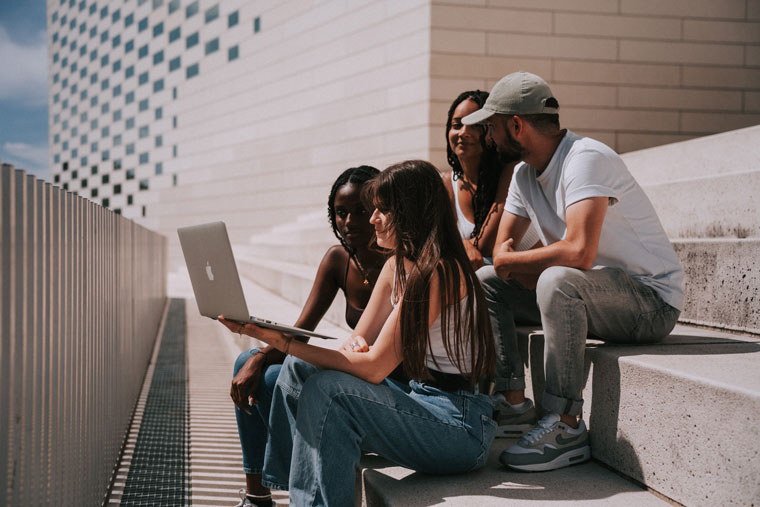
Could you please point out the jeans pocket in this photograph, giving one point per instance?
(488, 431)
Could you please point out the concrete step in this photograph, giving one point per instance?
(722, 286)
(590, 484)
(678, 416)
(706, 187)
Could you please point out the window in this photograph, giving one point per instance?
(105, 155)
(143, 105)
(174, 93)
(142, 78)
(143, 132)
(82, 50)
(94, 147)
(191, 40)
(129, 46)
(129, 98)
(144, 184)
(211, 13)
(83, 139)
(158, 85)
(93, 8)
(65, 166)
(117, 90)
(191, 10)
(143, 51)
(84, 183)
(104, 36)
(83, 72)
(157, 3)
(159, 168)
(142, 24)
(82, 27)
(233, 53)
(83, 161)
(143, 158)
(94, 192)
(212, 46)
(159, 113)
(158, 29)
(232, 19)
(129, 72)
(93, 32)
(105, 107)
(174, 64)
(105, 202)
(93, 100)
(93, 78)
(129, 20)
(94, 124)
(158, 57)
(117, 140)
(104, 60)
(257, 25)
(116, 16)
(103, 12)
(130, 148)
(55, 77)
(130, 174)
(104, 84)
(129, 199)
(117, 189)
(173, 5)
(174, 151)
(117, 164)
(129, 124)
(159, 141)
(93, 54)
(116, 41)
(175, 34)
(191, 71)
(174, 122)
(74, 174)
(117, 113)
(116, 67)
(94, 169)
(57, 177)
(174, 180)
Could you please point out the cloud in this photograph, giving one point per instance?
(34, 158)
(25, 70)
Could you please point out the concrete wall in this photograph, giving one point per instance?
(631, 73)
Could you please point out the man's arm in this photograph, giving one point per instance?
(510, 226)
(578, 250)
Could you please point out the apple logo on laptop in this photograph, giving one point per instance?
(209, 273)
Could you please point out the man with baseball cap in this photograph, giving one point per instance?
(606, 268)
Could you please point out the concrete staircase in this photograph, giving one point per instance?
(677, 417)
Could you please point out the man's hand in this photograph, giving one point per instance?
(500, 256)
(246, 382)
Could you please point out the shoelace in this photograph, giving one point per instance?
(545, 425)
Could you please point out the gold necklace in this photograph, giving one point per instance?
(361, 270)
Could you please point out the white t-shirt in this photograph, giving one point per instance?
(632, 236)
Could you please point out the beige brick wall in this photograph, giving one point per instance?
(632, 73)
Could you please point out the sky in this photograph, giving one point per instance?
(24, 86)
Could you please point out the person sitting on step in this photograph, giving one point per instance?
(427, 310)
(352, 267)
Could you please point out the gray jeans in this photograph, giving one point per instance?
(570, 304)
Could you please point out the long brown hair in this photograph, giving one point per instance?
(414, 196)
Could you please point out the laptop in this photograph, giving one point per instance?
(215, 280)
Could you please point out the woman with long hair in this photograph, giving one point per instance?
(478, 182)
(427, 310)
(351, 267)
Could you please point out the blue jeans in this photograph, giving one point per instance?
(322, 420)
(252, 428)
(570, 304)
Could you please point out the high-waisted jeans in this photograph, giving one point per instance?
(321, 421)
(570, 304)
(252, 428)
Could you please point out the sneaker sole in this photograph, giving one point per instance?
(574, 457)
(513, 430)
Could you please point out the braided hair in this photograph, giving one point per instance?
(355, 175)
(489, 169)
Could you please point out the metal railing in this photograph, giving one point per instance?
(82, 294)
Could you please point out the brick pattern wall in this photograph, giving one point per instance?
(631, 73)
(322, 87)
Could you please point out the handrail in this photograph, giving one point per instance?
(82, 291)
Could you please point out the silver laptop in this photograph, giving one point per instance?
(215, 279)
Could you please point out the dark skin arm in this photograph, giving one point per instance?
(323, 291)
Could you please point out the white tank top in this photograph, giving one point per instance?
(466, 227)
(436, 353)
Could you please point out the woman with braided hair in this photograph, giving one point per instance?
(478, 182)
(352, 267)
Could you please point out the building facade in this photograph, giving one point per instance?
(180, 112)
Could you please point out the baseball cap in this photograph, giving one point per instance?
(516, 93)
